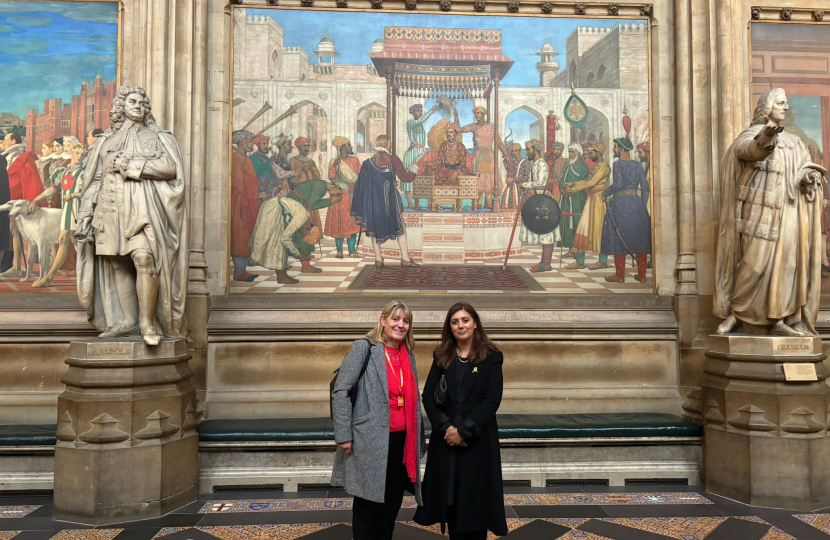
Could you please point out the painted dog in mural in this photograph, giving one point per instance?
(40, 228)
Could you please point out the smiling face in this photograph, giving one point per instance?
(462, 325)
(395, 327)
(135, 107)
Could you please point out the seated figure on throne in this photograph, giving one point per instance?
(451, 158)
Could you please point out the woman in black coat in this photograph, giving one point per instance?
(463, 485)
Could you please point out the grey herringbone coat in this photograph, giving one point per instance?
(363, 473)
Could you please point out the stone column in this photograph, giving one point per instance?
(766, 438)
(127, 443)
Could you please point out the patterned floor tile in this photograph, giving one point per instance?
(8, 535)
(170, 530)
(275, 505)
(819, 521)
(777, 534)
(680, 528)
(13, 512)
(87, 534)
(265, 532)
(603, 499)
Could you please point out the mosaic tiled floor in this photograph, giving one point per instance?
(10, 512)
(338, 275)
(819, 521)
(595, 514)
(536, 499)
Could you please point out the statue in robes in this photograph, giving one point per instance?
(132, 227)
(768, 264)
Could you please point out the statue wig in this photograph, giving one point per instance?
(117, 109)
(764, 107)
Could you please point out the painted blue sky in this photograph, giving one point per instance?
(806, 111)
(353, 34)
(48, 48)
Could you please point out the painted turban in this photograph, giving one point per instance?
(339, 141)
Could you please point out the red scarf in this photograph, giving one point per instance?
(410, 405)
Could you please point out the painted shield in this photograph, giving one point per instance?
(541, 214)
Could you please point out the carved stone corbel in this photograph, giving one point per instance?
(445, 5)
(580, 8)
(547, 8)
(818, 15)
(342, 4)
(308, 3)
(377, 4)
(786, 14)
(647, 10)
(479, 5)
(411, 4)
(755, 13)
(273, 2)
(613, 9)
(513, 6)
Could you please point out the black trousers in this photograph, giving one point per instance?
(376, 521)
(452, 520)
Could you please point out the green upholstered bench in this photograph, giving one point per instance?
(512, 427)
(22, 435)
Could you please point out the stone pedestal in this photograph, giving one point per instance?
(766, 438)
(127, 443)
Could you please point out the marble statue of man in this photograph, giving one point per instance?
(132, 228)
(768, 265)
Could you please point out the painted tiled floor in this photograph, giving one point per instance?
(532, 514)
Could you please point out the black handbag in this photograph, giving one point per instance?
(352, 390)
(440, 394)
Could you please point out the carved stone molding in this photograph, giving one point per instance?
(755, 12)
(104, 431)
(342, 4)
(411, 4)
(580, 8)
(65, 431)
(308, 3)
(786, 14)
(237, 2)
(818, 15)
(547, 7)
(751, 418)
(377, 4)
(273, 2)
(713, 414)
(479, 5)
(802, 421)
(158, 426)
(794, 13)
(693, 406)
(446, 5)
(647, 10)
(513, 6)
(191, 418)
(613, 9)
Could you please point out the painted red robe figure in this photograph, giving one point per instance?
(244, 206)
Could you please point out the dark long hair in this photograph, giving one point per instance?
(445, 352)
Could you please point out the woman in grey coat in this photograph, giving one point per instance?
(380, 438)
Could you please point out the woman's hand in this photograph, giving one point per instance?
(453, 438)
(346, 447)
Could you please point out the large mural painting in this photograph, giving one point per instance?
(439, 154)
(796, 57)
(58, 62)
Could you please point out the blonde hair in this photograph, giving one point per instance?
(377, 332)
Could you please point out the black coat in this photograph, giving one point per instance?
(5, 196)
(480, 498)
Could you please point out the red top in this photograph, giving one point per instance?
(397, 415)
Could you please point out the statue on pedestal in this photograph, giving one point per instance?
(768, 263)
(132, 228)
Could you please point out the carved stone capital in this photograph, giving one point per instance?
(613, 9)
(755, 12)
(647, 10)
(445, 5)
(786, 14)
(479, 5)
(818, 15)
(547, 7)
